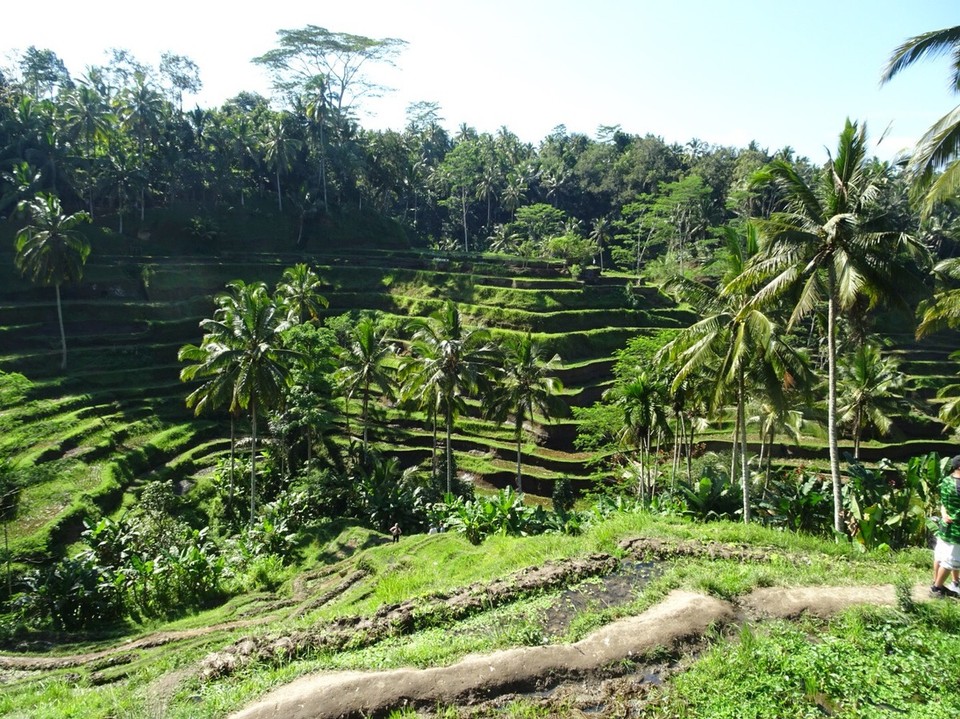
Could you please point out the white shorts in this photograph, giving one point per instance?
(948, 555)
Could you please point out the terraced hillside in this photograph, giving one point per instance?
(116, 418)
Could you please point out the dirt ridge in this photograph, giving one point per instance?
(680, 619)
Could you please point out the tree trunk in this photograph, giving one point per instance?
(63, 335)
(433, 457)
(856, 433)
(463, 204)
(366, 404)
(832, 400)
(253, 460)
(233, 444)
(279, 196)
(449, 449)
(519, 431)
(733, 448)
(742, 424)
(323, 168)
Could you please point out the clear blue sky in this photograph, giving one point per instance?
(724, 71)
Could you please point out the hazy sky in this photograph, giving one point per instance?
(725, 71)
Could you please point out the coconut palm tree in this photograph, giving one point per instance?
(829, 247)
(939, 148)
(244, 347)
(51, 250)
(942, 309)
(870, 387)
(299, 291)
(216, 390)
(735, 342)
(524, 386)
(279, 148)
(364, 368)
(452, 360)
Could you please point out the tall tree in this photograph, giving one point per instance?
(734, 342)
(279, 148)
(182, 75)
(302, 55)
(364, 368)
(43, 72)
(870, 388)
(642, 402)
(525, 386)
(51, 250)
(831, 248)
(939, 147)
(453, 359)
(299, 291)
(244, 345)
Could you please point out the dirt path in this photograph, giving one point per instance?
(681, 618)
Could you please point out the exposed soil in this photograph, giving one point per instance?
(591, 673)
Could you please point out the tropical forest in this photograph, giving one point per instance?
(304, 419)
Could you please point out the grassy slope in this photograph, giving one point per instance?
(421, 566)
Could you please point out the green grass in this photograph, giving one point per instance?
(866, 662)
(428, 566)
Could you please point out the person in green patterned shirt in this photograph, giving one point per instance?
(946, 555)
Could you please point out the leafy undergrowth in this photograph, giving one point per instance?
(458, 599)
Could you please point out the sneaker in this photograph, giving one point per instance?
(954, 587)
(944, 592)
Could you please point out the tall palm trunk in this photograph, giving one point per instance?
(366, 422)
(832, 398)
(742, 424)
(253, 459)
(233, 444)
(463, 204)
(857, 424)
(734, 448)
(63, 335)
(519, 435)
(449, 449)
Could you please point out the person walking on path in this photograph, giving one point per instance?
(395, 532)
(946, 554)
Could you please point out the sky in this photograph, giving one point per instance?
(726, 72)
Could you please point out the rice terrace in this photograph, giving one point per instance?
(303, 419)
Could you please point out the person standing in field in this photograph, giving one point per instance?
(946, 554)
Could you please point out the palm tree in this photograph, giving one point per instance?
(733, 342)
(365, 368)
(870, 386)
(217, 389)
(51, 250)
(420, 387)
(141, 112)
(942, 310)
(598, 234)
(525, 386)
(243, 344)
(452, 360)
(87, 123)
(830, 247)
(299, 292)
(642, 400)
(278, 149)
(939, 148)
